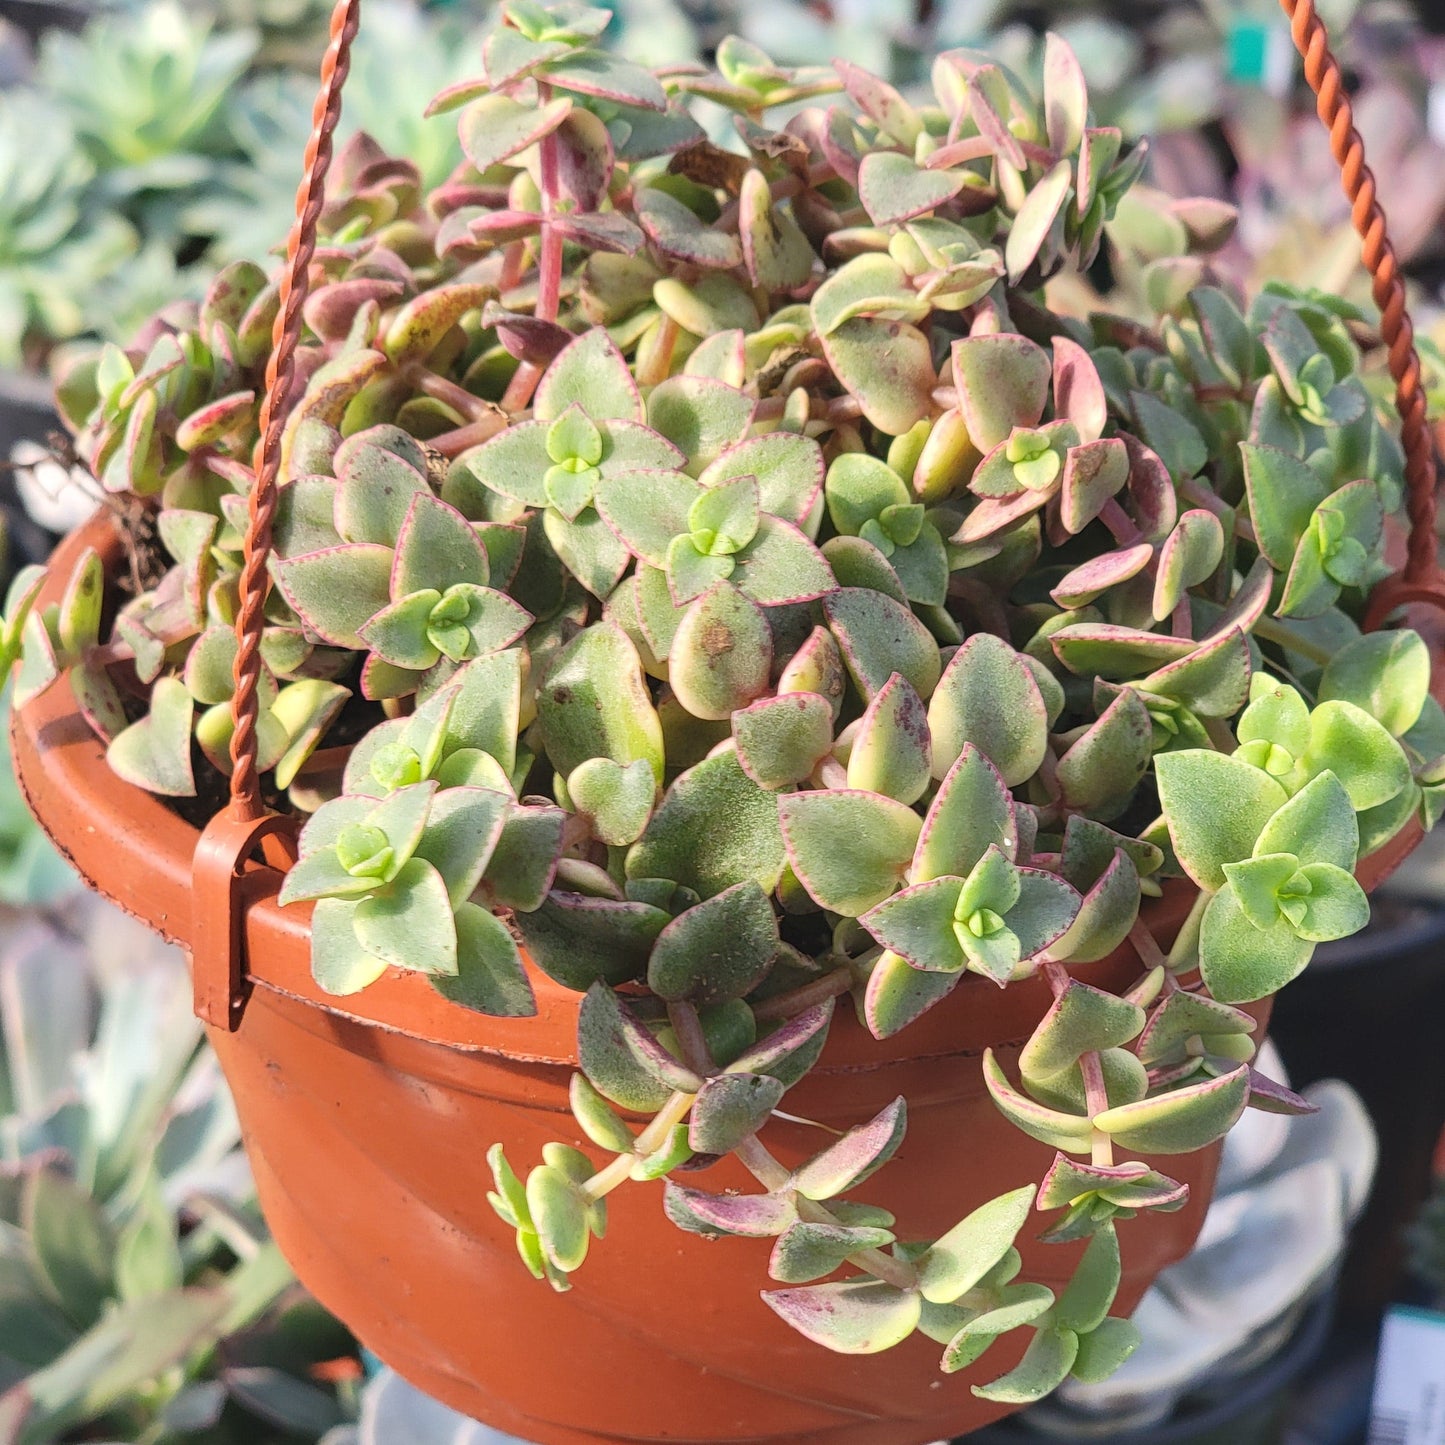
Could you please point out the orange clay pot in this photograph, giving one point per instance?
(367, 1120)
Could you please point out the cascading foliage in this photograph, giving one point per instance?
(708, 563)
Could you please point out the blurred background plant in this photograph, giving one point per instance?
(141, 1299)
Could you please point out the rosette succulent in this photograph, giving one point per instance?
(713, 577)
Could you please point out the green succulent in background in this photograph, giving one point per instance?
(147, 95)
(32, 873)
(56, 241)
(144, 1300)
(1427, 1242)
(759, 589)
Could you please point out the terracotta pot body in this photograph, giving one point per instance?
(367, 1121)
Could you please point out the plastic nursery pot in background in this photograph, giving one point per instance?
(362, 1120)
(1368, 1010)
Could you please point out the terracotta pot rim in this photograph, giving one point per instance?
(108, 829)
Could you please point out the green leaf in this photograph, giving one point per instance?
(850, 1317)
(1081, 1019)
(731, 1108)
(1181, 1121)
(971, 813)
(1086, 1301)
(1336, 905)
(717, 950)
(1035, 219)
(155, 753)
(1068, 1132)
(1044, 1367)
(1283, 494)
(338, 590)
(849, 849)
(1205, 835)
(339, 964)
(893, 189)
(594, 703)
(490, 978)
(860, 1153)
(878, 637)
(74, 1245)
(1104, 1350)
(1359, 751)
(148, 1257)
(559, 1214)
(1241, 962)
(618, 800)
(410, 923)
(918, 925)
(809, 1251)
(715, 827)
(962, 1257)
(870, 285)
(988, 696)
(1317, 825)
(1003, 383)
(721, 655)
(1386, 674)
(495, 127)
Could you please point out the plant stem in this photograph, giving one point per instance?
(1184, 955)
(1096, 1099)
(758, 1160)
(1146, 945)
(805, 996)
(549, 265)
(652, 1138)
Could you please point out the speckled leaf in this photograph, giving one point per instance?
(1205, 835)
(678, 231)
(1182, 1121)
(579, 940)
(337, 591)
(1080, 1019)
(757, 1216)
(849, 849)
(155, 752)
(1283, 494)
(593, 373)
(971, 813)
(852, 1317)
(721, 655)
(775, 250)
(878, 637)
(715, 827)
(594, 703)
(788, 470)
(898, 993)
(890, 751)
(1003, 382)
(1099, 772)
(717, 950)
(887, 366)
(988, 696)
(409, 923)
(917, 924)
(893, 189)
(622, 1058)
(782, 739)
(729, 1109)
(1093, 472)
(1035, 219)
(618, 800)
(1189, 556)
(810, 1251)
(860, 1153)
(700, 416)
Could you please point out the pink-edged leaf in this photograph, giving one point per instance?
(1078, 392)
(1110, 569)
(755, 1216)
(600, 231)
(336, 591)
(850, 1317)
(1271, 1097)
(861, 1152)
(495, 127)
(894, 189)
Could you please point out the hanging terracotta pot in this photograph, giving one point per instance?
(367, 1120)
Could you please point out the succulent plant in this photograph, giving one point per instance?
(54, 240)
(144, 1298)
(145, 95)
(743, 582)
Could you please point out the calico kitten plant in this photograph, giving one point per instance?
(749, 595)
